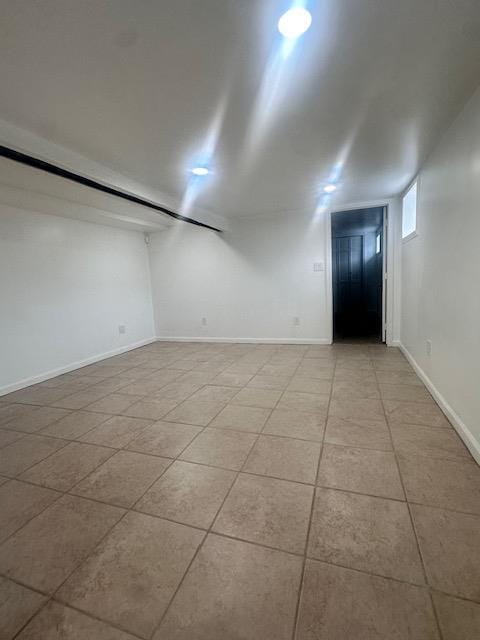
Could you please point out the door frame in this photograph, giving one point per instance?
(388, 289)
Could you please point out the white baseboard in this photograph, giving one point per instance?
(244, 340)
(41, 377)
(460, 427)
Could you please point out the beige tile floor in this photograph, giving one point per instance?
(237, 492)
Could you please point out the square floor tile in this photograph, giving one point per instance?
(398, 377)
(451, 484)
(132, 575)
(459, 619)
(149, 408)
(312, 402)
(197, 412)
(354, 376)
(35, 419)
(164, 439)
(341, 604)
(175, 392)
(74, 425)
(68, 466)
(116, 432)
(20, 455)
(220, 448)
(253, 397)
(122, 479)
(141, 387)
(304, 384)
(295, 424)
(17, 606)
(235, 590)
(427, 414)
(391, 364)
(81, 399)
(346, 389)
(356, 409)
(268, 511)
(360, 470)
(38, 395)
(405, 392)
(8, 437)
(443, 444)
(356, 364)
(48, 548)
(282, 370)
(19, 502)
(110, 385)
(449, 545)
(114, 403)
(284, 458)
(278, 383)
(11, 411)
(188, 493)
(164, 376)
(310, 369)
(56, 622)
(365, 533)
(232, 379)
(212, 393)
(355, 432)
(242, 418)
(197, 377)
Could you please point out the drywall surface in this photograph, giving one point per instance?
(65, 288)
(256, 281)
(441, 274)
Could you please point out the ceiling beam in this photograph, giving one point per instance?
(48, 167)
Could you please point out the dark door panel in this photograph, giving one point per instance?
(357, 275)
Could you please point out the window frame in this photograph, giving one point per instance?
(414, 233)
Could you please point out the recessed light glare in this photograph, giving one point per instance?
(200, 171)
(294, 22)
(330, 188)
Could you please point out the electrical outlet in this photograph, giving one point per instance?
(204, 322)
(122, 328)
(428, 347)
(296, 321)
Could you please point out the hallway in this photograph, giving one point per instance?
(208, 491)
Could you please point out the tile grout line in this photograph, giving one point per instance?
(272, 355)
(212, 524)
(312, 507)
(412, 523)
(51, 596)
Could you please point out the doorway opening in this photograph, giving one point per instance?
(358, 273)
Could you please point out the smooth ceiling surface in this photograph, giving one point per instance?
(150, 88)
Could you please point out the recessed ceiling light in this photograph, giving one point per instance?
(330, 188)
(200, 171)
(294, 22)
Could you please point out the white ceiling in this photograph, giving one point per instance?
(148, 88)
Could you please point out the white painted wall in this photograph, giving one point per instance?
(249, 282)
(65, 286)
(441, 274)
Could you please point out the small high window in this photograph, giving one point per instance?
(409, 212)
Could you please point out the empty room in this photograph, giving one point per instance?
(240, 320)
